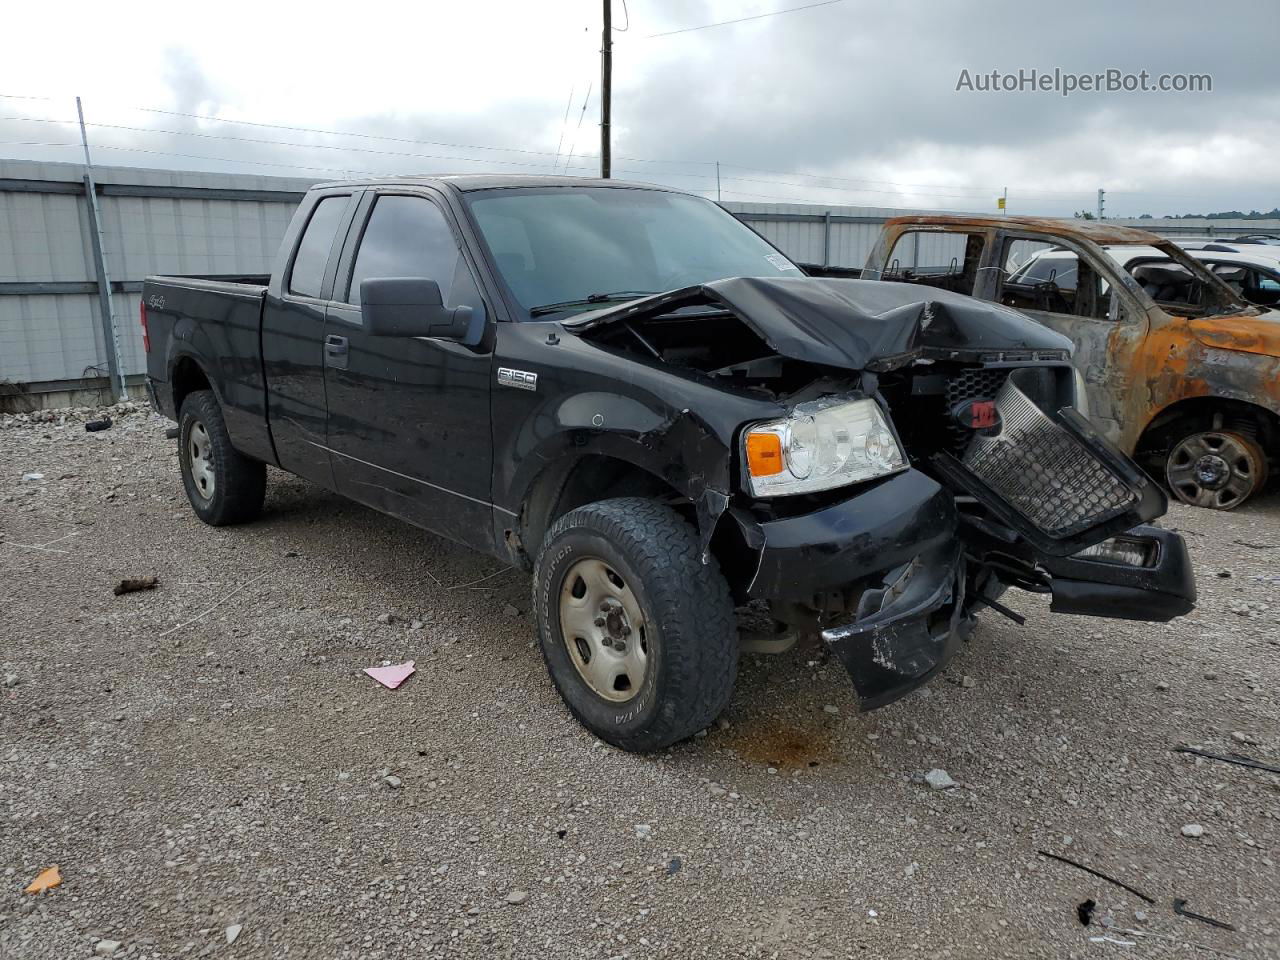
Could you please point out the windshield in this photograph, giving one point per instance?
(576, 247)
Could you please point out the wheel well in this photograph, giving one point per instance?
(562, 488)
(187, 378)
(1208, 413)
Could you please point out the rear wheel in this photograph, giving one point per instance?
(1219, 469)
(223, 485)
(638, 634)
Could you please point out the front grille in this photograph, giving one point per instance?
(1043, 471)
(971, 383)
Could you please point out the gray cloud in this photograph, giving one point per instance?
(859, 90)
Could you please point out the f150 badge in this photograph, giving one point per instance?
(520, 379)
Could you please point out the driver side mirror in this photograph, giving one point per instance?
(410, 307)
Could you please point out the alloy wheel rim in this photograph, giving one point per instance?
(1213, 469)
(200, 460)
(604, 630)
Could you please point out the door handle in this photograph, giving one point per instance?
(335, 351)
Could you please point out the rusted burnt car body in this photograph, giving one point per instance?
(1179, 371)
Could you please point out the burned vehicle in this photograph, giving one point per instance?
(1181, 370)
(628, 393)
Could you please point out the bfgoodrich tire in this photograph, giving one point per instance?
(638, 634)
(223, 485)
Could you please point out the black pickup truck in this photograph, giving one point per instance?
(628, 392)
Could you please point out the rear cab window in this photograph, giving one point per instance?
(306, 277)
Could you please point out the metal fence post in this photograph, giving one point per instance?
(110, 334)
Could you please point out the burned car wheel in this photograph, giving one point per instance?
(637, 633)
(1216, 469)
(223, 485)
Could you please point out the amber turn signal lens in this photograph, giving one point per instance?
(764, 454)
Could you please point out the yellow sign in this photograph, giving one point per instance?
(999, 203)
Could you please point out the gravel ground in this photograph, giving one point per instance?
(191, 777)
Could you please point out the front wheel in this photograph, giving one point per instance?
(223, 485)
(637, 632)
(1219, 469)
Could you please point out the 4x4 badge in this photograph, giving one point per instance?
(520, 379)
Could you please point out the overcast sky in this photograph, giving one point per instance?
(860, 91)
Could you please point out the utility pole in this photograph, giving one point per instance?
(110, 335)
(717, 181)
(606, 86)
(1101, 193)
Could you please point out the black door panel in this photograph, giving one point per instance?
(293, 359)
(292, 331)
(408, 417)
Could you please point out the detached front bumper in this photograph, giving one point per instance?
(894, 551)
(906, 631)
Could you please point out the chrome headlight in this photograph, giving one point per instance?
(823, 444)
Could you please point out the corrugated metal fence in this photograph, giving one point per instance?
(158, 221)
(153, 221)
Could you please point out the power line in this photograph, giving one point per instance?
(301, 146)
(564, 125)
(578, 130)
(391, 139)
(346, 171)
(903, 189)
(517, 163)
(758, 16)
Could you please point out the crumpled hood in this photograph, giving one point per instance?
(856, 324)
(1248, 333)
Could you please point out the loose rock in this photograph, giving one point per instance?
(939, 779)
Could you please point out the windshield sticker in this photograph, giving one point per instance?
(781, 262)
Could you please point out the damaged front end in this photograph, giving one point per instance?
(1000, 482)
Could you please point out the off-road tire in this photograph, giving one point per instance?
(690, 626)
(240, 482)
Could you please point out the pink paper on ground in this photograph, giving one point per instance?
(392, 676)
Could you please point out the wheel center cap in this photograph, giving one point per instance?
(1212, 471)
(615, 622)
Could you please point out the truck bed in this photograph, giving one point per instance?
(217, 319)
